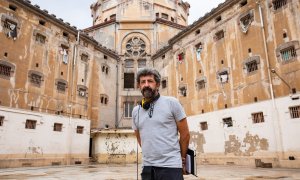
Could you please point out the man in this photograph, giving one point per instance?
(157, 121)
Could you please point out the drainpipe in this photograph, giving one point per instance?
(277, 127)
(117, 95)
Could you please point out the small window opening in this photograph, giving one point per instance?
(82, 92)
(79, 129)
(288, 54)
(243, 3)
(182, 91)
(258, 117)
(294, 90)
(142, 63)
(164, 83)
(197, 31)
(277, 4)
(295, 112)
(202, 111)
(200, 71)
(37, 65)
(62, 73)
(172, 19)
(30, 124)
(219, 35)
(219, 18)
(222, 61)
(164, 16)
(225, 106)
(203, 126)
(223, 77)
(82, 80)
(36, 79)
(255, 99)
(163, 57)
(5, 54)
(180, 57)
(249, 50)
(200, 84)
(65, 35)
(284, 35)
(112, 17)
(252, 66)
(181, 79)
(84, 57)
(105, 57)
(227, 122)
(61, 86)
(57, 127)
(129, 63)
(106, 70)
(40, 38)
(1, 120)
(42, 22)
(13, 7)
(157, 15)
(128, 80)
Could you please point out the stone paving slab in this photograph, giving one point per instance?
(128, 172)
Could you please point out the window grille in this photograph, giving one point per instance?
(203, 126)
(252, 66)
(288, 54)
(295, 112)
(128, 107)
(36, 79)
(5, 70)
(258, 117)
(57, 127)
(61, 86)
(40, 38)
(79, 129)
(128, 80)
(277, 4)
(30, 124)
(227, 122)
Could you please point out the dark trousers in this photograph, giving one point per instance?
(161, 173)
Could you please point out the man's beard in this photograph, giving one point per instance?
(148, 93)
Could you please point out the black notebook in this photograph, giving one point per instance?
(191, 163)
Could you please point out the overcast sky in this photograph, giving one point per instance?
(77, 12)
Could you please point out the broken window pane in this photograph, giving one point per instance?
(57, 127)
(1, 120)
(79, 129)
(40, 38)
(203, 126)
(288, 54)
(128, 80)
(30, 124)
(227, 122)
(295, 112)
(35, 79)
(5, 70)
(279, 3)
(128, 107)
(252, 66)
(258, 117)
(10, 28)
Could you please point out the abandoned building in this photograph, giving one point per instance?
(67, 94)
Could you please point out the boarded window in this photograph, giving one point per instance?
(164, 83)
(258, 117)
(128, 80)
(57, 127)
(5, 70)
(36, 79)
(295, 112)
(79, 129)
(40, 38)
(252, 66)
(288, 54)
(30, 124)
(61, 86)
(128, 107)
(219, 35)
(277, 4)
(203, 126)
(227, 122)
(1, 120)
(200, 84)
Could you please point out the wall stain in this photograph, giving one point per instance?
(198, 140)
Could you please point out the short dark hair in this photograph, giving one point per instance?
(146, 72)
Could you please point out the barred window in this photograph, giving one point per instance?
(295, 112)
(79, 129)
(128, 107)
(203, 126)
(277, 4)
(1, 120)
(40, 38)
(258, 117)
(227, 122)
(288, 54)
(200, 84)
(61, 86)
(5, 70)
(30, 124)
(36, 79)
(252, 66)
(57, 127)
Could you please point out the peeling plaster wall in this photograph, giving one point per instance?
(41, 146)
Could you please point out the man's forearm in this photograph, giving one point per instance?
(184, 144)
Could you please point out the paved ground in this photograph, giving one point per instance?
(128, 172)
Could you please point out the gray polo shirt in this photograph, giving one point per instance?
(159, 134)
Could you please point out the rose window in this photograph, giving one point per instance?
(136, 47)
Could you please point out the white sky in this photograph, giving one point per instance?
(77, 12)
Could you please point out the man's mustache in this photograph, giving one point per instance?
(147, 89)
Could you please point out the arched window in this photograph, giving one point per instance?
(136, 47)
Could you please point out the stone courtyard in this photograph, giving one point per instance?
(128, 172)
